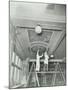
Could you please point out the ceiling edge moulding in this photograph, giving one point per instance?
(44, 29)
(31, 24)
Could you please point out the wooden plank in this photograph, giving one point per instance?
(61, 73)
(36, 76)
(54, 75)
(37, 80)
(44, 75)
(29, 74)
(51, 60)
(48, 72)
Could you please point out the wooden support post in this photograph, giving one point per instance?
(62, 73)
(51, 60)
(37, 80)
(29, 75)
(36, 76)
(27, 68)
(54, 76)
(47, 67)
(44, 74)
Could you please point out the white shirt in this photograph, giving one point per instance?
(46, 58)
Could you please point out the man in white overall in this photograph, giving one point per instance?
(46, 60)
(38, 61)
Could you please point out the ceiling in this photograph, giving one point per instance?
(23, 19)
(37, 11)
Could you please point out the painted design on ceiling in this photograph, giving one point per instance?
(45, 36)
(38, 47)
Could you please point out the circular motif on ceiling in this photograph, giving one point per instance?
(40, 48)
(39, 45)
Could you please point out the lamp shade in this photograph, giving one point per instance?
(52, 56)
(38, 29)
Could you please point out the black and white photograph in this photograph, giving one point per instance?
(37, 44)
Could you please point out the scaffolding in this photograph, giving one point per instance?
(42, 77)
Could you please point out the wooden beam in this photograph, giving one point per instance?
(62, 74)
(36, 76)
(52, 72)
(45, 69)
(54, 75)
(51, 60)
(29, 74)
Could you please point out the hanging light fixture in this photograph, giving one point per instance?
(52, 56)
(38, 29)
